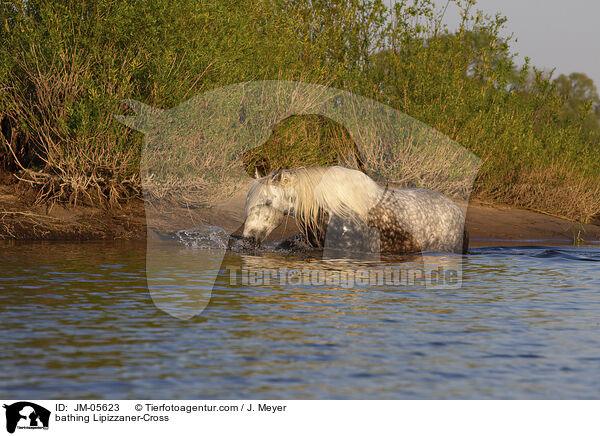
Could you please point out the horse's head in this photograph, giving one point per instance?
(269, 200)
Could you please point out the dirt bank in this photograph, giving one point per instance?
(22, 219)
(497, 224)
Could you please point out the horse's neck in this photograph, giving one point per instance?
(358, 196)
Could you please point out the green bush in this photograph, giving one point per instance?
(65, 66)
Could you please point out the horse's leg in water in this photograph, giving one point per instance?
(315, 235)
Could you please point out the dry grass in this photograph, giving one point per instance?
(62, 162)
(558, 190)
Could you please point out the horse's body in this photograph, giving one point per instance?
(349, 202)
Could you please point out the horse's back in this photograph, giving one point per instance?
(433, 221)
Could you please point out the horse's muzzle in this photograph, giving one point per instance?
(251, 242)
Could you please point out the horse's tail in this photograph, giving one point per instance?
(465, 244)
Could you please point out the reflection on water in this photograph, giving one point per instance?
(78, 321)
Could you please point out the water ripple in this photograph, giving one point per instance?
(78, 322)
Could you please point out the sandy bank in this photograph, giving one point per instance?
(22, 219)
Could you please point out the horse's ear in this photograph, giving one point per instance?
(276, 177)
(260, 171)
(282, 176)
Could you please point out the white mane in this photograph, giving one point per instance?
(311, 191)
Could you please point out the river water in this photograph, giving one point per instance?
(78, 321)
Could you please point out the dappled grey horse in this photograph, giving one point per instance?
(360, 213)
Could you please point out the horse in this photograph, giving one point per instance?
(409, 220)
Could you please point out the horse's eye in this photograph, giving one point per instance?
(268, 203)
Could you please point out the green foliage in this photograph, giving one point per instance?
(581, 101)
(66, 65)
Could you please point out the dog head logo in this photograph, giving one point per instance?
(192, 159)
(26, 415)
